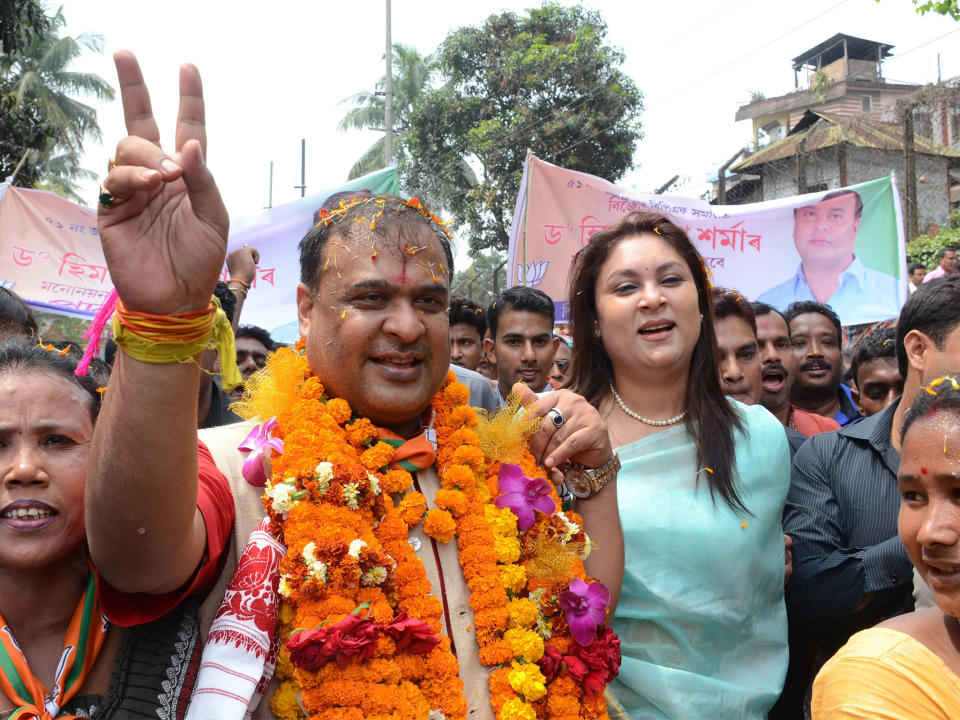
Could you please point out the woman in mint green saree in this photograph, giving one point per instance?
(701, 614)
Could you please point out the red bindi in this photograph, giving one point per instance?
(923, 471)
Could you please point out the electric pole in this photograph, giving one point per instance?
(270, 200)
(302, 187)
(388, 95)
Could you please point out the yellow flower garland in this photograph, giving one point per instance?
(330, 501)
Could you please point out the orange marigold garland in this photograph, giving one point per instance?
(362, 631)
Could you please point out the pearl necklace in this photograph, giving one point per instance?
(641, 418)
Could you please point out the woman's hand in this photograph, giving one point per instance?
(165, 236)
(581, 438)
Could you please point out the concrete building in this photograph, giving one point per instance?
(846, 125)
(824, 152)
(843, 76)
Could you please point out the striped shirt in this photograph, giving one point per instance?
(842, 515)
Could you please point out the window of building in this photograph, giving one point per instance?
(867, 103)
(922, 124)
(955, 126)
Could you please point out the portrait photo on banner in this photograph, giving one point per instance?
(846, 253)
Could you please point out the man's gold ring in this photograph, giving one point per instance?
(108, 199)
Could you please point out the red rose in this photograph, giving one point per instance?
(353, 636)
(596, 664)
(608, 640)
(308, 649)
(593, 685)
(576, 667)
(412, 635)
(550, 663)
(603, 654)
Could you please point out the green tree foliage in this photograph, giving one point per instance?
(411, 74)
(23, 131)
(821, 84)
(544, 81)
(19, 18)
(41, 114)
(924, 248)
(477, 282)
(948, 8)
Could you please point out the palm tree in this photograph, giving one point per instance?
(411, 74)
(38, 75)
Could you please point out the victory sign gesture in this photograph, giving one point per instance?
(162, 222)
(164, 232)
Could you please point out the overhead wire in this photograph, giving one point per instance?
(922, 45)
(612, 126)
(755, 51)
(518, 133)
(741, 59)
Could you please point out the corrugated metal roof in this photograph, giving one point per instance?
(857, 49)
(823, 130)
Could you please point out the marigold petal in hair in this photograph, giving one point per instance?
(50, 347)
(328, 217)
(932, 387)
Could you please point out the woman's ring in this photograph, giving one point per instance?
(556, 416)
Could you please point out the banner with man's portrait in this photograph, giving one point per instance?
(844, 247)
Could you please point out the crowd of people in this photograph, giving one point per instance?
(703, 510)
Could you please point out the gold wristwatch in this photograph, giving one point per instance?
(584, 482)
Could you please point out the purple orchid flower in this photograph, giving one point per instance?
(523, 495)
(258, 439)
(585, 607)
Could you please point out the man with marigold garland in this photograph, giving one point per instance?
(422, 558)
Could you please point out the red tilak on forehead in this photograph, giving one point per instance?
(923, 471)
(403, 266)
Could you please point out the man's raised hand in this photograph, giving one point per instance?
(165, 237)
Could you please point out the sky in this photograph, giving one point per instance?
(275, 73)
